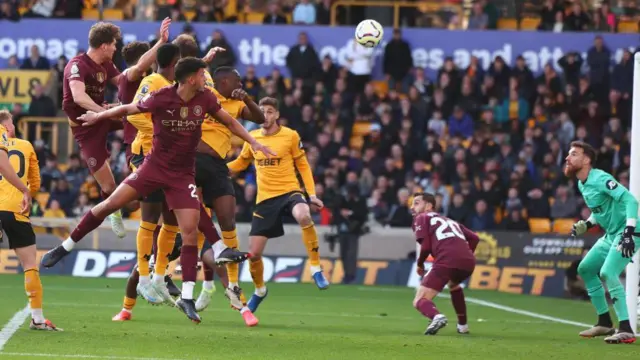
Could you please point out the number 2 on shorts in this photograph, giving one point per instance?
(193, 191)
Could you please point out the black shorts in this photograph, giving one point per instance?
(267, 215)
(20, 233)
(212, 175)
(177, 248)
(154, 197)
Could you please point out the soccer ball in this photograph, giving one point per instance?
(369, 33)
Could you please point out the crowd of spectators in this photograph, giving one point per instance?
(554, 15)
(490, 143)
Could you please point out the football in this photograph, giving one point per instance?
(369, 33)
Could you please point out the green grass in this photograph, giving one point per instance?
(296, 322)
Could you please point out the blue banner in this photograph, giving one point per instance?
(266, 47)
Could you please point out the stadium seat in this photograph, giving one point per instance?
(629, 26)
(449, 189)
(562, 226)
(529, 23)
(552, 200)
(381, 87)
(540, 225)
(23, 10)
(254, 18)
(356, 142)
(189, 15)
(361, 128)
(498, 215)
(108, 14)
(231, 9)
(508, 24)
(42, 199)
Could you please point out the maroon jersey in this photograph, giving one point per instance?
(95, 78)
(177, 126)
(126, 92)
(451, 244)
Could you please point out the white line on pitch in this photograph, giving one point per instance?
(77, 356)
(12, 326)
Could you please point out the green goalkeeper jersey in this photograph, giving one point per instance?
(607, 200)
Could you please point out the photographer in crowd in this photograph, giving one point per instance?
(350, 217)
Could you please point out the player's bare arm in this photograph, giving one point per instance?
(252, 111)
(212, 54)
(91, 117)
(238, 130)
(81, 98)
(147, 59)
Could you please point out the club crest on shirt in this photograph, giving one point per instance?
(197, 110)
(100, 77)
(611, 185)
(5, 139)
(184, 112)
(145, 89)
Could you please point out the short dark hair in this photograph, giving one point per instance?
(588, 150)
(167, 53)
(188, 46)
(133, 51)
(426, 197)
(269, 101)
(187, 67)
(223, 71)
(103, 33)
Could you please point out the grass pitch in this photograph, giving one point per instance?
(297, 321)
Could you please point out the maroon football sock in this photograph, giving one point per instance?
(457, 299)
(189, 262)
(206, 227)
(427, 308)
(208, 272)
(88, 223)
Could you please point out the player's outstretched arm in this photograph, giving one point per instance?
(81, 98)
(238, 130)
(251, 111)
(34, 172)
(147, 59)
(472, 237)
(242, 162)
(90, 118)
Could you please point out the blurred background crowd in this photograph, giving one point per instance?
(489, 142)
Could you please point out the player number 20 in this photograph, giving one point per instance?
(21, 162)
(446, 229)
(193, 191)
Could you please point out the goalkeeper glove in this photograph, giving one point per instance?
(626, 245)
(580, 228)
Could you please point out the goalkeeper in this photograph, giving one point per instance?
(616, 211)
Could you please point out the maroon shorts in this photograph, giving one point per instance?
(92, 141)
(179, 188)
(438, 277)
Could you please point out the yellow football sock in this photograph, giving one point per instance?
(230, 239)
(33, 287)
(166, 242)
(128, 303)
(144, 243)
(256, 268)
(310, 239)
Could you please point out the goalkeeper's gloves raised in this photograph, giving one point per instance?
(626, 245)
(581, 227)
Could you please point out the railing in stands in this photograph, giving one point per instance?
(54, 127)
(422, 6)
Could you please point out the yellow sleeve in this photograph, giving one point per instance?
(142, 121)
(243, 161)
(300, 160)
(34, 173)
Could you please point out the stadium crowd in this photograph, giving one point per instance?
(489, 142)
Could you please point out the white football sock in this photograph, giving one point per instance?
(187, 290)
(208, 285)
(68, 244)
